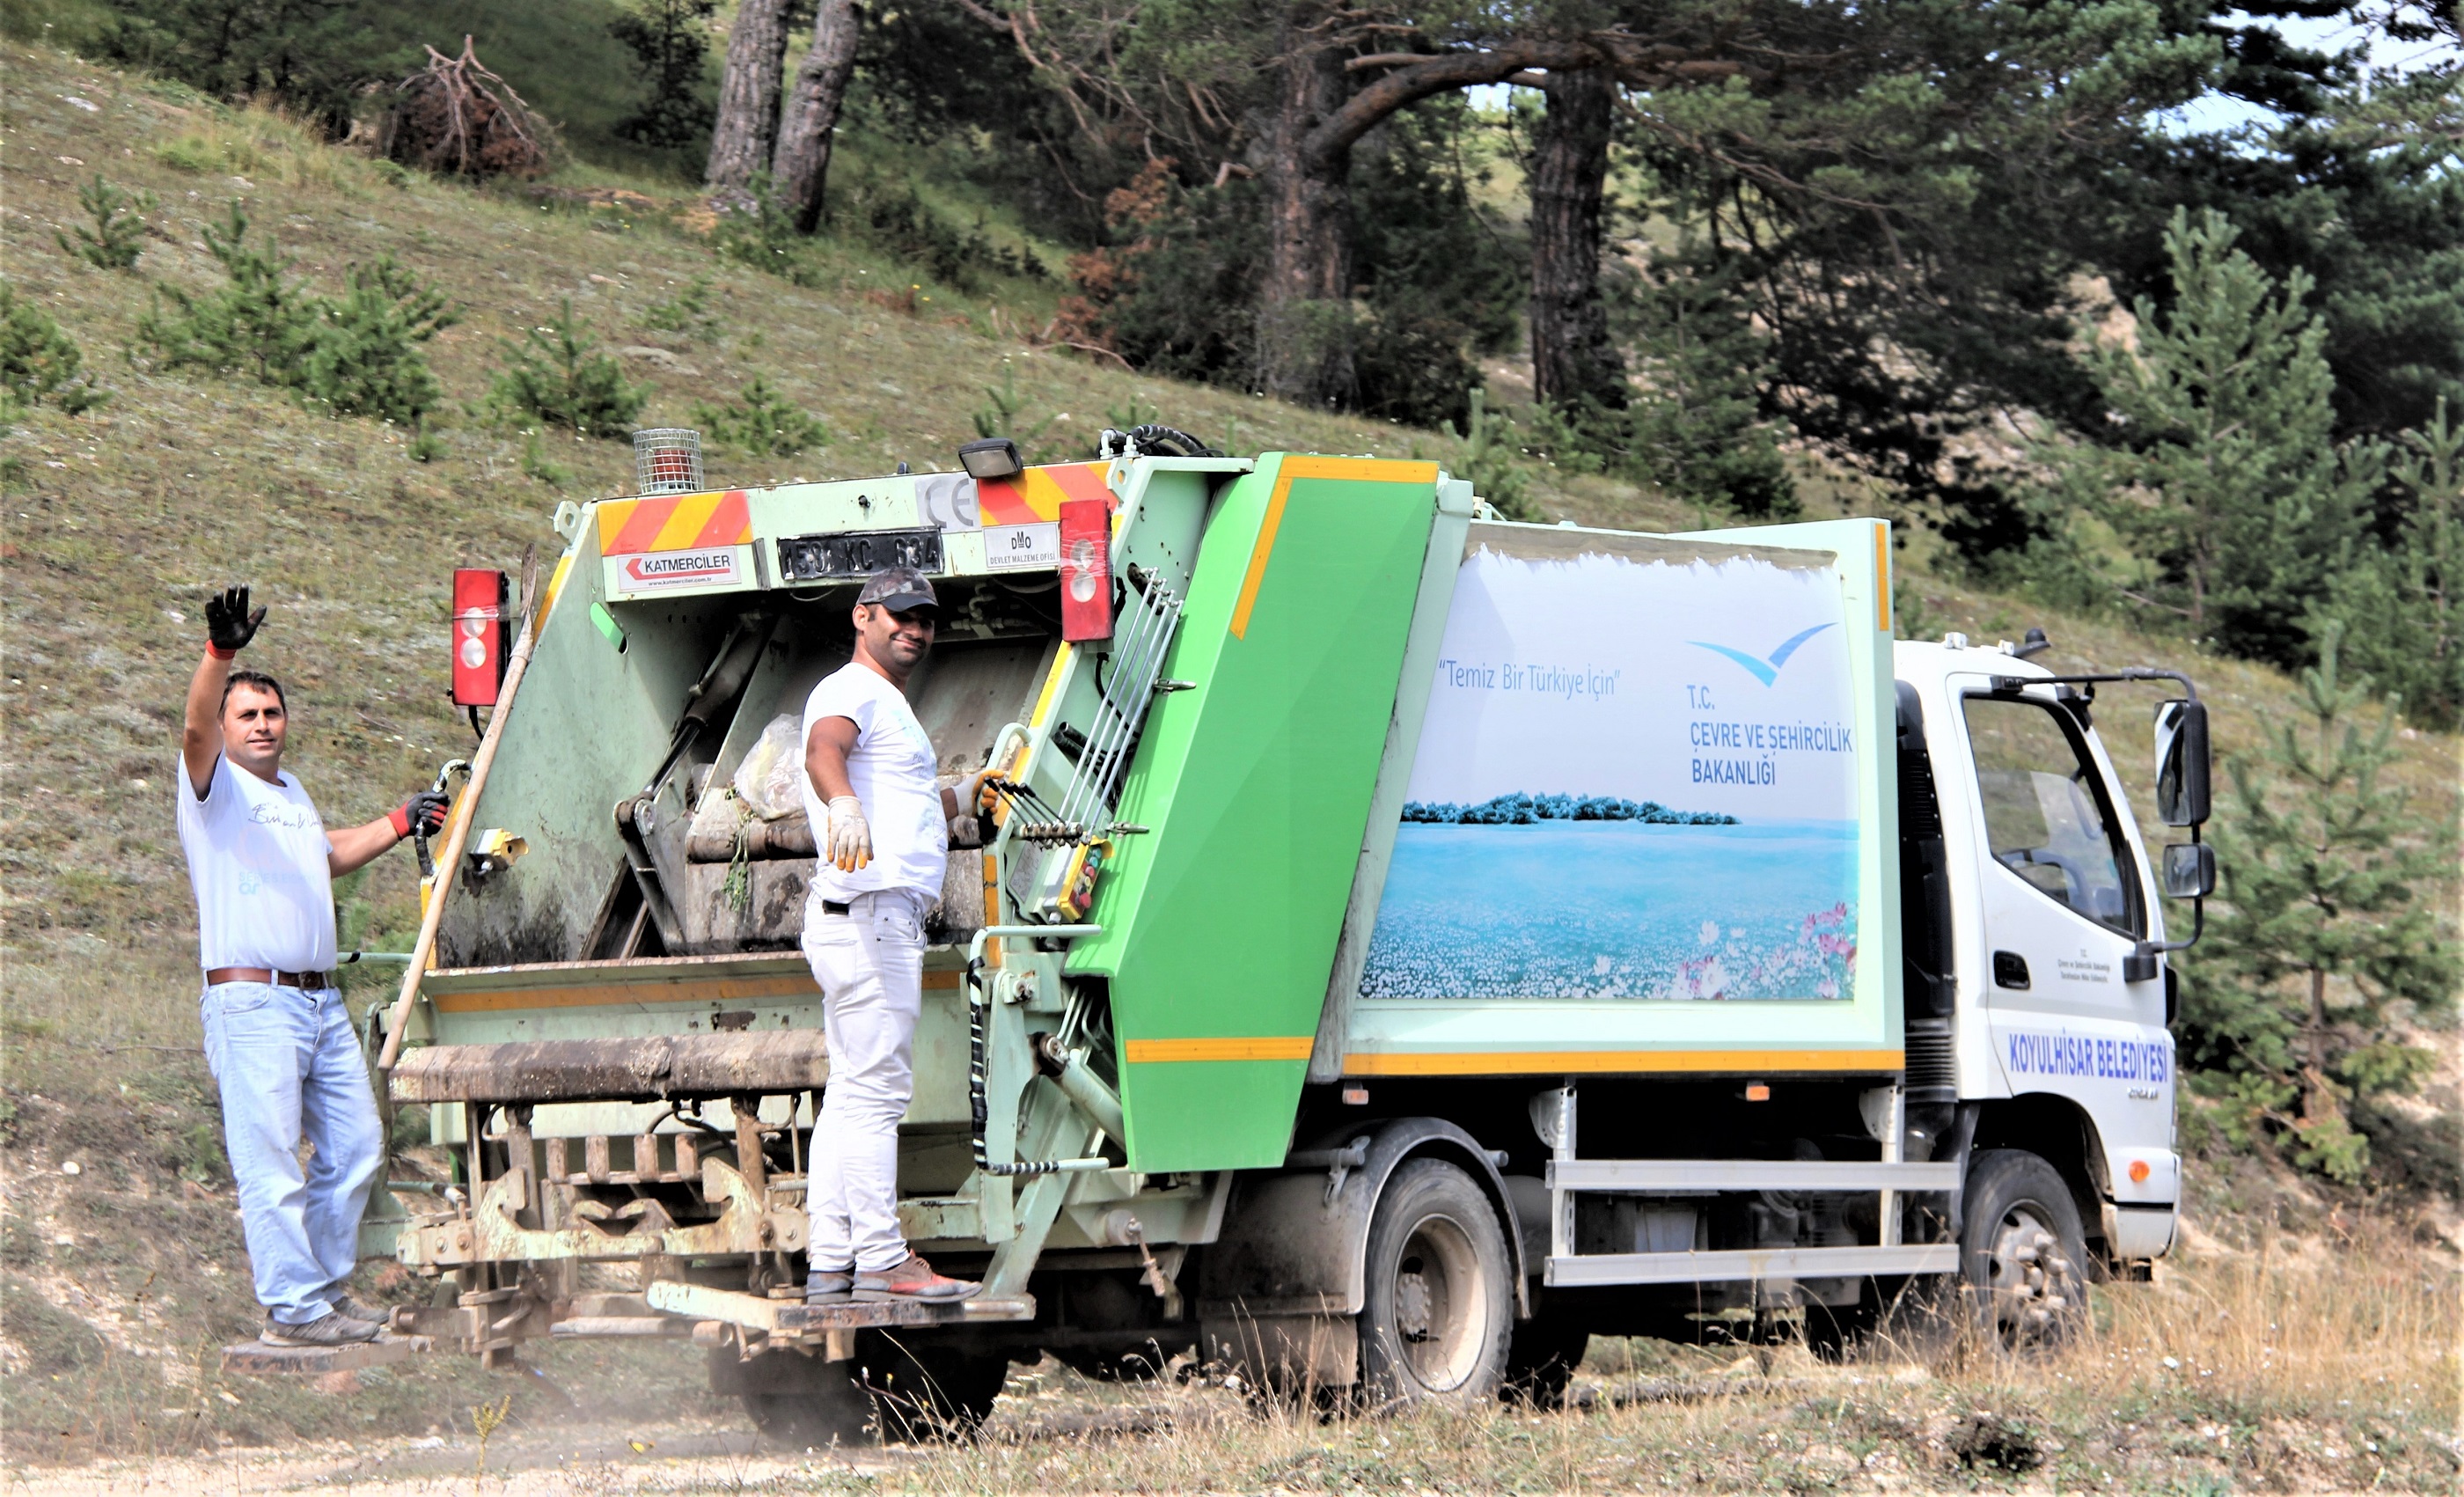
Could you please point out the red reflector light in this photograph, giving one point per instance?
(1086, 570)
(479, 635)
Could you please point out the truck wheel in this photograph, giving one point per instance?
(1439, 1313)
(834, 1411)
(2022, 1255)
(923, 1391)
(1541, 1359)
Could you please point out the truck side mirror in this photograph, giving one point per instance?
(2181, 763)
(2189, 870)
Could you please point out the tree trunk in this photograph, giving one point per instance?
(747, 128)
(1304, 316)
(1571, 356)
(803, 164)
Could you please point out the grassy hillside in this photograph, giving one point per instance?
(117, 1282)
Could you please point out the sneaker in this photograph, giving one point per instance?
(829, 1287)
(913, 1279)
(326, 1329)
(351, 1304)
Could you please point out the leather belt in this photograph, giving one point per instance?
(833, 907)
(311, 982)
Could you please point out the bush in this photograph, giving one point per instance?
(118, 236)
(261, 321)
(761, 422)
(366, 360)
(688, 311)
(556, 375)
(757, 231)
(39, 363)
(359, 356)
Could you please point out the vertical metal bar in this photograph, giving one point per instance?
(1561, 1204)
(1891, 1155)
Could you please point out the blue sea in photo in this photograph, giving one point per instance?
(1617, 910)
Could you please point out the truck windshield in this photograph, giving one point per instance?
(2046, 818)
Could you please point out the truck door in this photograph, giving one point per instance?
(2064, 901)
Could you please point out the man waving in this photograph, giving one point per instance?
(278, 1038)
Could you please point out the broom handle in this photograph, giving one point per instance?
(449, 863)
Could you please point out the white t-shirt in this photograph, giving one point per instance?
(891, 771)
(257, 862)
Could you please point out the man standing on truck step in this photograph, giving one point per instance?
(278, 1038)
(881, 822)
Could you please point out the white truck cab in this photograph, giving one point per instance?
(2059, 994)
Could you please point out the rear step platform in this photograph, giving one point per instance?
(791, 1316)
(258, 1358)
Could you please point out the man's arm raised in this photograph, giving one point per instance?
(228, 627)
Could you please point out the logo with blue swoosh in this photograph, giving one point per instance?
(1764, 670)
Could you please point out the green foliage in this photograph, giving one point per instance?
(362, 355)
(556, 374)
(670, 40)
(1000, 417)
(1695, 428)
(310, 56)
(261, 321)
(761, 422)
(756, 231)
(537, 464)
(118, 236)
(1492, 460)
(2215, 465)
(2326, 949)
(888, 214)
(425, 446)
(39, 363)
(689, 311)
(2401, 618)
(367, 359)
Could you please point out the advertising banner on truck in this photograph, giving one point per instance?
(1636, 780)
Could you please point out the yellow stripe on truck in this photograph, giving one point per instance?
(1365, 470)
(1263, 1047)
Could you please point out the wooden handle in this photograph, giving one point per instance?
(457, 830)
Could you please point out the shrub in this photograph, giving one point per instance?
(261, 321)
(688, 311)
(761, 422)
(39, 362)
(757, 231)
(118, 236)
(556, 375)
(359, 356)
(366, 360)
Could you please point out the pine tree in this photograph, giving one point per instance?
(367, 358)
(2321, 957)
(671, 45)
(2403, 620)
(557, 374)
(2218, 466)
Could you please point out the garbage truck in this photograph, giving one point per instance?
(1396, 942)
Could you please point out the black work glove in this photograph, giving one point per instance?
(424, 810)
(229, 624)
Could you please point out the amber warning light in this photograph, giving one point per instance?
(479, 636)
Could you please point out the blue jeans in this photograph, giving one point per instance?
(290, 1068)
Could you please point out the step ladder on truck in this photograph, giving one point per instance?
(1399, 942)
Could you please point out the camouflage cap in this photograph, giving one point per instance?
(899, 588)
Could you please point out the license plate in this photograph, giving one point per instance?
(858, 553)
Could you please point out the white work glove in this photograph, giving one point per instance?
(968, 792)
(850, 841)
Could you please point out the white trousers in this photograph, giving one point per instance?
(870, 962)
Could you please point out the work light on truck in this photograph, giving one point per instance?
(991, 457)
(479, 635)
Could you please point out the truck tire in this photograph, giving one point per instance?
(1437, 1316)
(1541, 1359)
(835, 1410)
(2022, 1255)
(924, 1390)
